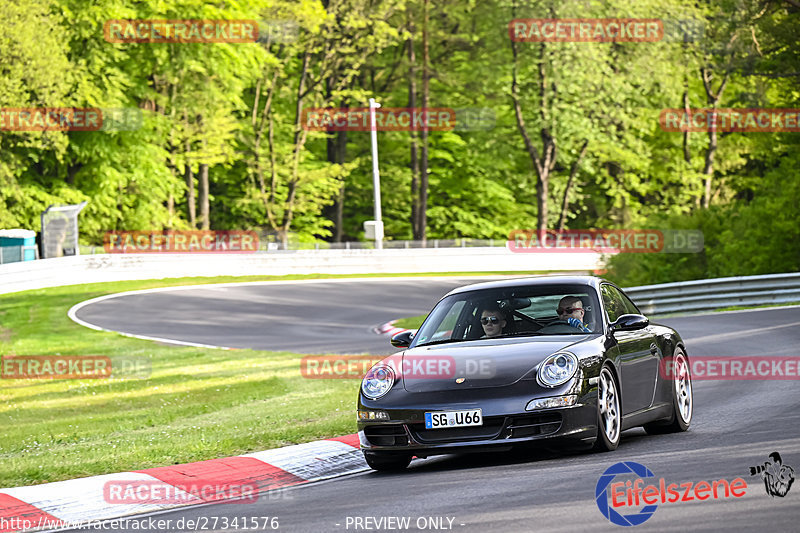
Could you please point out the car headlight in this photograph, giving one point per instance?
(557, 369)
(378, 381)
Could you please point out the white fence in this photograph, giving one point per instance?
(687, 296)
(119, 267)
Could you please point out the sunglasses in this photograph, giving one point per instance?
(489, 319)
(570, 310)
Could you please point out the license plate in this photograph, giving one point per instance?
(453, 419)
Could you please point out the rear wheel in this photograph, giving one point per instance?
(682, 399)
(387, 461)
(609, 416)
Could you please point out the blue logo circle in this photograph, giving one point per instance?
(601, 494)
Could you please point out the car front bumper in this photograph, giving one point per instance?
(505, 422)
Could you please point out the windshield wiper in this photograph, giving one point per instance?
(443, 341)
(519, 334)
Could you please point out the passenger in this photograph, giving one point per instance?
(493, 321)
(570, 309)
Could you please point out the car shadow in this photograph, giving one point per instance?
(465, 461)
(517, 455)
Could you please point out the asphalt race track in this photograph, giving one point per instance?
(304, 317)
(736, 424)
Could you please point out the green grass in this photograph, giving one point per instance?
(745, 307)
(721, 309)
(412, 322)
(197, 403)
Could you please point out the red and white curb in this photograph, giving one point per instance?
(75, 501)
(389, 329)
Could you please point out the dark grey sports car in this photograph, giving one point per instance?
(535, 360)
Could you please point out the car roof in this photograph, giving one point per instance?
(544, 280)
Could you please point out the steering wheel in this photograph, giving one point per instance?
(559, 326)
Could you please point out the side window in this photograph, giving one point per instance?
(447, 318)
(613, 302)
(447, 326)
(629, 305)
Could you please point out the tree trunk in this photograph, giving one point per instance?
(708, 167)
(204, 206)
(337, 153)
(713, 98)
(572, 173)
(336, 144)
(687, 156)
(412, 103)
(544, 164)
(338, 235)
(171, 207)
(299, 141)
(423, 169)
(187, 175)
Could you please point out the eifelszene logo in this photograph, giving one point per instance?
(778, 477)
(602, 499)
(613, 497)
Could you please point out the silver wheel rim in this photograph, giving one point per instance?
(683, 388)
(608, 404)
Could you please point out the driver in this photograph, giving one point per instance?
(570, 309)
(492, 320)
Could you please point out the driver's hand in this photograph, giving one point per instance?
(575, 323)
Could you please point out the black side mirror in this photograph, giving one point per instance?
(629, 323)
(402, 339)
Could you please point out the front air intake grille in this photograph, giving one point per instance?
(532, 425)
(490, 429)
(386, 435)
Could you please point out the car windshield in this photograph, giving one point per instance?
(512, 311)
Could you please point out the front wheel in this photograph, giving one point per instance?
(609, 416)
(386, 461)
(682, 399)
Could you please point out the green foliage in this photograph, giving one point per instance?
(234, 108)
(742, 238)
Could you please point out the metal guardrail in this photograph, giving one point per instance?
(712, 294)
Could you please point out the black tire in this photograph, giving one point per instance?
(387, 461)
(682, 399)
(609, 412)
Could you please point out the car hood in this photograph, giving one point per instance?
(481, 363)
